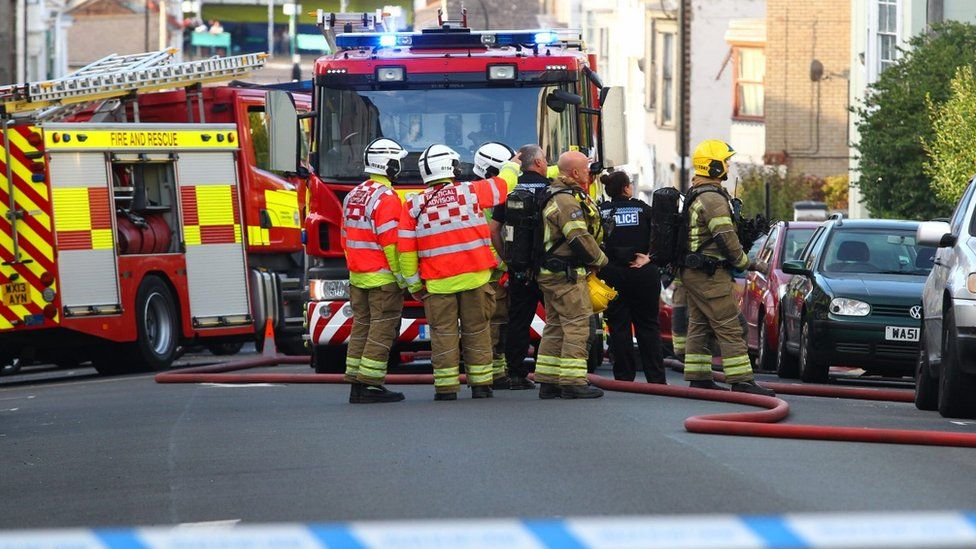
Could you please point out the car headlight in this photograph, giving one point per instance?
(328, 290)
(849, 307)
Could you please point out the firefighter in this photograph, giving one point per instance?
(571, 227)
(488, 160)
(524, 295)
(713, 251)
(447, 261)
(370, 217)
(638, 281)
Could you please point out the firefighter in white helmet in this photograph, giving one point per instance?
(447, 261)
(370, 216)
(488, 162)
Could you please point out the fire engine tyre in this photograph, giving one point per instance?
(329, 360)
(765, 356)
(926, 386)
(786, 364)
(811, 369)
(956, 388)
(157, 326)
(225, 349)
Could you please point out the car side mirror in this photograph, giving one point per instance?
(935, 234)
(796, 268)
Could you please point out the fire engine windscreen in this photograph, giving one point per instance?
(461, 118)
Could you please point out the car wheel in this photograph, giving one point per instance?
(786, 364)
(956, 388)
(926, 386)
(765, 356)
(811, 369)
(329, 360)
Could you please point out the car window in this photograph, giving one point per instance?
(959, 216)
(766, 254)
(795, 241)
(805, 254)
(754, 250)
(890, 252)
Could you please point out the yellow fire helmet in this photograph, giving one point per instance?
(711, 159)
(600, 293)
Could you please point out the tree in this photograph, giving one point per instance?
(785, 189)
(835, 190)
(952, 155)
(893, 122)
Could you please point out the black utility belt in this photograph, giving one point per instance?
(707, 264)
(563, 265)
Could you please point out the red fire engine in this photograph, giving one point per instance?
(446, 85)
(124, 234)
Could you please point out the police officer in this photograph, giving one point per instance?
(635, 278)
(713, 250)
(524, 294)
(571, 227)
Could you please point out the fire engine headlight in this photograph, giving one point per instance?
(389, 74)
(502, 72)
(48, 294)
(842, 306)
(329, 290)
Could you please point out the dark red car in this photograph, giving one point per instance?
(760, 301)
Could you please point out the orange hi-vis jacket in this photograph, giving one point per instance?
(370, 215)
(445, 228)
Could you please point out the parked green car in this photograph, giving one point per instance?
(856, 300)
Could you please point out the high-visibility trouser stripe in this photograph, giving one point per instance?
(447, 378)
(499, 366)
(453, 248)
(737, 366)
(549, 365)
(678, 341)
(698, 364)
(372, 370)
(479, 374)
(352, 368)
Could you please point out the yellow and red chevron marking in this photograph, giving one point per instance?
(83, 218)
(32, 206)
(211, 215)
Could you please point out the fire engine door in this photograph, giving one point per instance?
(215, 262)
(83, 227)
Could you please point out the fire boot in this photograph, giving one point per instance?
(368, 394)
(752, 388)
(519, 383)
(707, 384)
(445, 396)
(482, 391)
(549, 391)
(501, 383)
(581, 391)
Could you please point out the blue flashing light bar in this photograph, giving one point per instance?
(456, 39)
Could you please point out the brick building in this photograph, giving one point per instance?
(806, 89)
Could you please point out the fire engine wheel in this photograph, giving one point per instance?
(225, 349)
(329, 360)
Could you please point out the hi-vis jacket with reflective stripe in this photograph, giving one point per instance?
(443, 237)
(574, 225)
(370, 215)
(710, 228)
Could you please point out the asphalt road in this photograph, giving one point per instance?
(126, 451)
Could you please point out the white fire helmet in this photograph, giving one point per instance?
(490, 157)
(383, 156)
(439, 162)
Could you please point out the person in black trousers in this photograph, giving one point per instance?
(524, 295)
(636, 279)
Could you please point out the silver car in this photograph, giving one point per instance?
(946, 374)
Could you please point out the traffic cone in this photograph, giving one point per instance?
(270, 349)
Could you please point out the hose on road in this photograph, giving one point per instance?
(762, 423)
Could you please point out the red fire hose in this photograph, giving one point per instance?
(757, 424)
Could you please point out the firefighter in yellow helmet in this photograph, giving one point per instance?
(713, 250)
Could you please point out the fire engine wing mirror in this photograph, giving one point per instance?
(558, 99)
(282, 131)
(613, 126)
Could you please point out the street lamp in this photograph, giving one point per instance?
(292, 10)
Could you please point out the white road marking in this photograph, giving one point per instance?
(210, 524)
(10, 410)
(964, 422)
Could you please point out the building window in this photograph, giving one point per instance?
(667, 80)
(887, 35)
(603, 50)
(650, 67)
(749, 74)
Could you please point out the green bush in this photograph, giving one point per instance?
(785, 189)
(893, 122)
(952, 154)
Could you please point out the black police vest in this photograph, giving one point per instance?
(632, 229)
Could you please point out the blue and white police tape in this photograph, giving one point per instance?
(853, 530)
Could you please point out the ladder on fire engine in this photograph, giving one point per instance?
(118, 76)
(330, 24)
